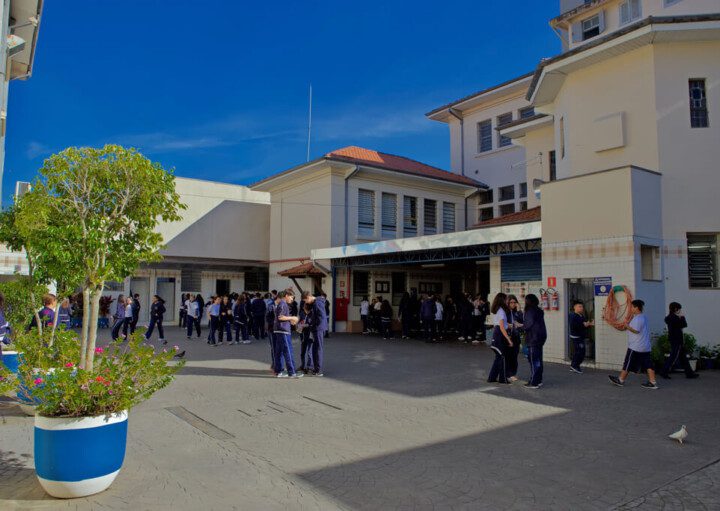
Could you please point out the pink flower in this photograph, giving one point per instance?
(99, 350)
(176, 347)
(38, 381)
(110, 392)
(69, 364)
(164, 350)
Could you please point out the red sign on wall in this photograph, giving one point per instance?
(552, 282)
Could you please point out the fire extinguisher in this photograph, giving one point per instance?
(554, 299)
(544, 304)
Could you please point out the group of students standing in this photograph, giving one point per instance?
(272, 316)
(127, 315)
(428, 316)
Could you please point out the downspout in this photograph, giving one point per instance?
(454, 113)
(347, 213)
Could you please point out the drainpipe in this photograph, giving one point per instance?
(459, 117)
(347, 213)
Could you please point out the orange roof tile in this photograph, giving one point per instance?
(529, 215)
(302, 270)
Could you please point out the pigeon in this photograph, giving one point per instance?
(679, 435)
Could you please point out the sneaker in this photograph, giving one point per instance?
(576, 370)
(318, 374)
(282, 374)
(476, 342)
(461, 338)
(692, 376)
(513, 379)
(650, 385)
(213, 345)
(616, 381)
(297, 375)
(530, 386)
(247, 342)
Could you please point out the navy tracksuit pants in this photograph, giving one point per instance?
(284, 352)
(191, 323)
(259, 327)
(677, 356)
(123, 323)
(317, 351)
(151, 328)
(214, 325)
(535, 358)
(241, 331)
(306, 350)
(499, 346)
(579, 352)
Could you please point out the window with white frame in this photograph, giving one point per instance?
(366, 213)
(650, 262)
(702, 251)
(448, 217)
(410, 220)
(527, 112)
(389, 215)
(698, 104)
(630, 10)
(504, 120)
(591, 27)
(429, 216)
(484, 132)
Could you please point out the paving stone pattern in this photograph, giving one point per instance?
(395, 425)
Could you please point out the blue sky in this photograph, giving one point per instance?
(218, 89)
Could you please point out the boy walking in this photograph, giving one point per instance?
(638, 356)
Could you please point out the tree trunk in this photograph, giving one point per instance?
(92, 337)
(85, 326)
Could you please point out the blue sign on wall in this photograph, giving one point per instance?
(603, 285)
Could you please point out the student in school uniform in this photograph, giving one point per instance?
(282, 327)
(157, 311)
(304, 328)
(259, 309)
(46, 314)
(240, 321)
(214, 315)
(64, 314)
(364, 314)
(182, 310)
(319, 326)
(501, 339)
(119, 317)
(135, 313)
(579, 326)
(386, 314)
(439, 318)
(515, 320)
(535, 337)
(226, 320)
(192, 316)
(638, 356)
(676, 322)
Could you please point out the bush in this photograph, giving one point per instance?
(662, 346)
(124, 374)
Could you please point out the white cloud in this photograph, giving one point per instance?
(35, 149)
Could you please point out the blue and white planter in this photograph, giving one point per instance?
(10, 360)
(76, 457)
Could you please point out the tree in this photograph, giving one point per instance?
(91, 217)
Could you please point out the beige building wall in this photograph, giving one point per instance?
(538, 143)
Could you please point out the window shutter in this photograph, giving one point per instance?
(389, 215)
(577, 35)
(448, 217)
(409, 216)
(430, 216)
(366, 212)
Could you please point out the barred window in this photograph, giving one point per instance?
(484, 136)
(410, 220)
(366, 212)
(389, 215)
(448, 217)
(430, 216)
(703, 260)
(698, 104)
(504, 120)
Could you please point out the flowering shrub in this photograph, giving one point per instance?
(8, 382)
(124, 374)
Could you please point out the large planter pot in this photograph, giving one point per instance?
(10, 360)
(76, 457)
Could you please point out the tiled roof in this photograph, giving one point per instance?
(359, 155)
(530, 215)
(303, 270)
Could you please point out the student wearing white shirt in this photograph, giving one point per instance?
(638, 356)
(439, 319)
(364, 313)
(192, 318)
(501, 339)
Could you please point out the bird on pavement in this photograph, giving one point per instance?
(679, 435)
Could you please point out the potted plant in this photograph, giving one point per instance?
(81, 415)
(661, 350)
(708, 356)
(91, 217)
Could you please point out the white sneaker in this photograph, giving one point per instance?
(461, 338)
(283, 374)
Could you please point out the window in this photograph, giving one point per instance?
(702, 260)
(527, 112)
(257, 280)
(486, 214)
(366, 213)
(562, 137)
(591, 27)
(507, 192)
(650, 262)
(485, 197)
(668, 3)
(523, 206)
(114, 286)
(504, 120)
(448, 217)
(506, 209)
(484, 136)
(629, 11)
(389, 215)
(360, 286)
(399, 286)
(698, 104)
(382, 286)
(523, 190)
(552, 165)
(409, 216)
(429, 216)
(430, 288)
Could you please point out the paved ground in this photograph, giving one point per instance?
(396, 425)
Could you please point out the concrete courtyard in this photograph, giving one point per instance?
(395, 425)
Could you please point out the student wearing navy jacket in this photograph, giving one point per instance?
(535, 337)
(258, 309)
(676, 322)
(282, 327)
(157, 311)
(515, 319)
(319, 327)
(240, 319)
(578, 335)
(226, 320)
(214, 313)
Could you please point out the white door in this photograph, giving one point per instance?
(166, 291)
(141, 286)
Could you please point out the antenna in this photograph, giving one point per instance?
(309, 123)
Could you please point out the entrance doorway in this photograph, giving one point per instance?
(222, 287)
(166, 290)
(141, 286)
(583, 290)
